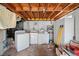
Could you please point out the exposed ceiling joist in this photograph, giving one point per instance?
(10, 7)
(71, 9)
(25, 7)
(67, 9)
(30, 13)
(41, 11)
(44, 11)
(18, 13)
(54, 9)
(63, 10)
(57, 13)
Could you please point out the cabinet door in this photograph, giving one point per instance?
(33, 38)
(43, 38)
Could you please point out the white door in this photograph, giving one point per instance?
(69, 30)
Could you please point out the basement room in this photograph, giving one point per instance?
(39, 29)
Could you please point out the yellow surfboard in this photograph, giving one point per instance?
(59, 36)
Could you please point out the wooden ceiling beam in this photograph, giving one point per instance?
(44, 11)
(54, 14)
(54, 9)
(24, 14)
(51, 14)
(20, 6)
(10, 7)
(25, 7)
(28, 15)
(31, 13)
(51, 7)
(38, 11)
(63, 10)
(16, 6)
(61, 7)
(21, 15)
(71, 9)
(34, 6)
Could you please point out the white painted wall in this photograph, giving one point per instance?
(76, 18)
(56, 27)
(38, 38)
(29, 25)
(26, 25)
(68, 22)
(33, 26)
(77, 27)
(69, 30)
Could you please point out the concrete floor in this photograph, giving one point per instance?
(33, 50)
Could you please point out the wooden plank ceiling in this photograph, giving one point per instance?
(41, 11)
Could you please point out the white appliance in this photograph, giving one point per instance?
(21, 40)
(43, 38)
(39, 38)
(33, 38)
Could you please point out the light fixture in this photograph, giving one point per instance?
(28, 18)
(44, 10)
